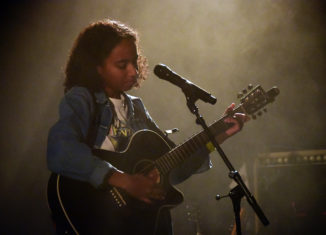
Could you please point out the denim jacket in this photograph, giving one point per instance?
(70, 154)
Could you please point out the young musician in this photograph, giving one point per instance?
(96, 113)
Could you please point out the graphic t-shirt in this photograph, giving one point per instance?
(120, 131)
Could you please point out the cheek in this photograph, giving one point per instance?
(113, 77)
(106, 73)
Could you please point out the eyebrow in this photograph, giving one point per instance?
(126, 60)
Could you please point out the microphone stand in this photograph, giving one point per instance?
(236, 195)
(241, 189)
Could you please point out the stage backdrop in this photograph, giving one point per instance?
(221, 45)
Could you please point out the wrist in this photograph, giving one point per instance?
(119, 179)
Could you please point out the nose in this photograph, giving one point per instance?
(133, 70)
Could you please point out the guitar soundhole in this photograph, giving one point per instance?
(147, 168)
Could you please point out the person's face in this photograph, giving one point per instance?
(119, 70)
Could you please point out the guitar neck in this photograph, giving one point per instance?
(180, 153)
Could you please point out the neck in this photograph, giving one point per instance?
(112, 94)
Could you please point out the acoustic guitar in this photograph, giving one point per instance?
(87, 210)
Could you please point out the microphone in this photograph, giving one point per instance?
(164, 72)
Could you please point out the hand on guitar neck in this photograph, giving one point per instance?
(237, 119)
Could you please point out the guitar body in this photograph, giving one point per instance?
(86, 210)
(83, 209)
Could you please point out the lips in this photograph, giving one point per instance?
(130, 83)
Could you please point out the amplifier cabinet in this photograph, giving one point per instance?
(290, 187)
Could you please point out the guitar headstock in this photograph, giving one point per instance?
(255, 98)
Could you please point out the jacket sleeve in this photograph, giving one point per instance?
(196, 163)
(67, 151)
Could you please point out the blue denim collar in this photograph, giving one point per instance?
(101, 98)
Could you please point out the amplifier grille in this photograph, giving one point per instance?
(291, 189)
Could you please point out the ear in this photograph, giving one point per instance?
(99, 70)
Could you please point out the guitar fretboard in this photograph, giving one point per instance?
(179, 154)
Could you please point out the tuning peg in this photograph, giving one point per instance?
(239, 95)
(250, 86)
(254, 116)
(244, 91)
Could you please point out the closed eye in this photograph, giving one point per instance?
(122, 64)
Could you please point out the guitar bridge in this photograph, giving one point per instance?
(118, 198)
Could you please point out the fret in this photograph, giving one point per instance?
(184, 149)
(165, 163)
(158, 166)
(168, 162)
(193, 144)
(179, 155)
(197, 142)
(187, 149)
(190, 147)
(162, 166)
(176, 157)
(160, 169)
(201, 138)
(173, 159)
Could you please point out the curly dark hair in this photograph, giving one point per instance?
(90, 49)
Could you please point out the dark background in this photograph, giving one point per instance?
(220, 45)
